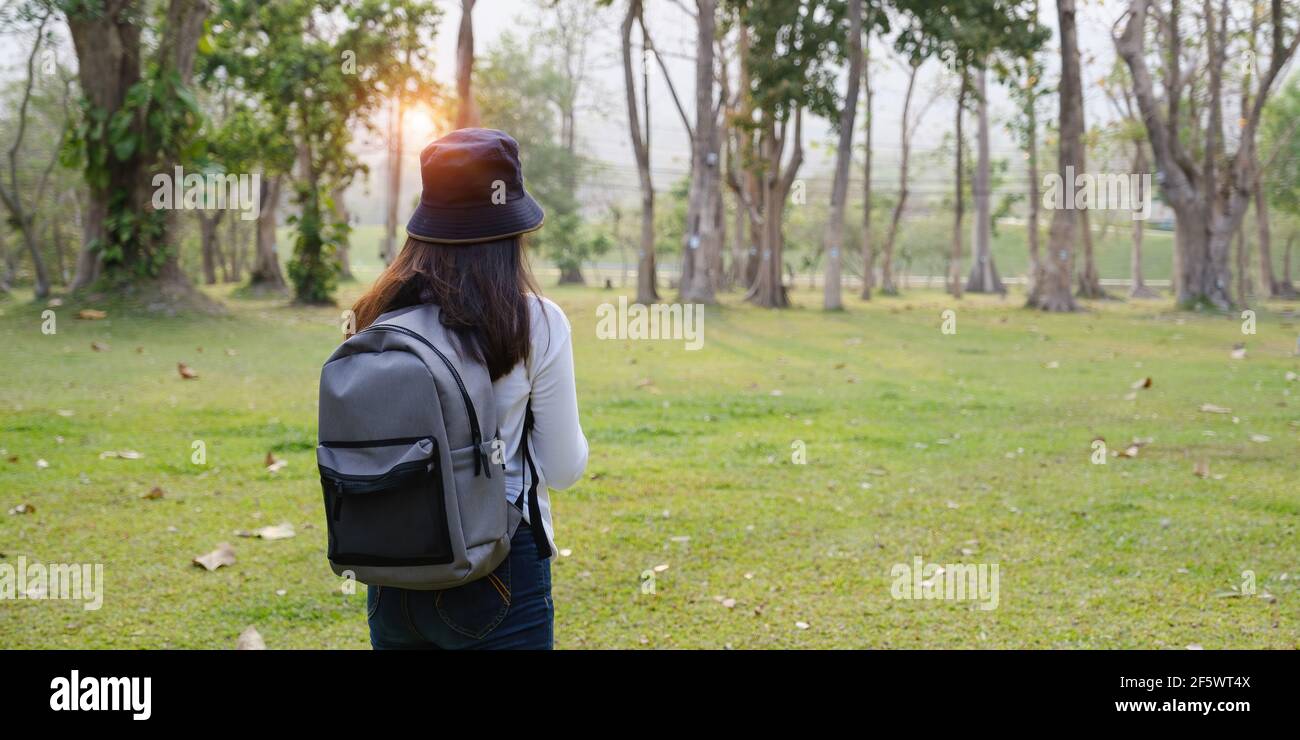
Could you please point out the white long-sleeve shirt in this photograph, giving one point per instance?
(558, 444)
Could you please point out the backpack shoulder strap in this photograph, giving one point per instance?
(530, 492)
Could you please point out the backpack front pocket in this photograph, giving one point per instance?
(384, 503)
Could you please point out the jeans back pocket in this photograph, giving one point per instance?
(476, 608)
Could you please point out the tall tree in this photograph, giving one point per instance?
(868, 119)
(564, 37)
(702, 234)
(646, 289)
(966, 36)
(908, 123)
(790, 63)
(1027, 94)
(1128, 133)
(832, 240)
(1051, 286)
(1209, 198)
(1281, 170)
(138, 118)
(321, 69)
(467, 114)
(23, 195)
(411, 82)
(983, 273)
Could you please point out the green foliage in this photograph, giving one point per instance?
(792, 55)
(318, 69)
(314, 268)
(970, 33)
(518, 91)
(158, 122)
(1279, 130)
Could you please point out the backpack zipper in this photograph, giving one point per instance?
(343, 483)
(480, 459)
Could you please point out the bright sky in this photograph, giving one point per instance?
(602, 128)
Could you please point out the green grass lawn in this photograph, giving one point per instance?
(969, 448)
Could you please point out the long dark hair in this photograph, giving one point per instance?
(483, 291)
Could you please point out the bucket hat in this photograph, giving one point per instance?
(473, 190)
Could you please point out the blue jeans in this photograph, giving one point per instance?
(509, 609)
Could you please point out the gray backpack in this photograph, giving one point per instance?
(408, 427)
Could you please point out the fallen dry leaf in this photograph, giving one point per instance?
(23, 509)
(120, 454)
(250, 639)
(1201, 469)
(1238, 352)
(729, 603)
(154, 493)
(273, 463)
(1140, 384)
(91, 314)
(282, 531)
(99, 346)
(186, 372)
(223, 555)
(1210, 408)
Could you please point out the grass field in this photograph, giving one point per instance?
(965, 448)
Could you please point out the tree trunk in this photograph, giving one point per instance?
(1089, 278)
(1287, 288)
(467, 111)
(959, 200)
(887, 285)
(238, 244)
(1209, 203)
(388, 247)
(1139, 287)
(983, 273)
(1268, 284)
(208, 244)
(717, 245)
(696, 285)
(1243, 264)
(40, 278)
(107, 40)
(266, 271)
(92, 233)
(833, 237)
(868, 248)
(1035, 195)
(8, 273)
(646, 290)
(1051, 289)
(60, 262)
(341, 215)
(769, 289)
